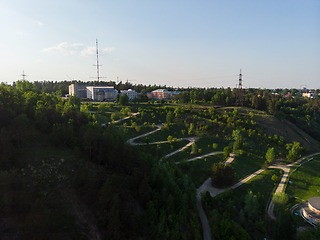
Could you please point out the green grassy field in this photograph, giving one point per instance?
(261, 183)
(204, 143)
(162, 135)
(162, 149)
(244, 165)
(306, 180)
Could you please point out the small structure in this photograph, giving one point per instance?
(311, 211)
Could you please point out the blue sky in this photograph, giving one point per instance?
(174, 43)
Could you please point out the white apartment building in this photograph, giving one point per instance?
(96, 93)
(78, 90)
(132, 94)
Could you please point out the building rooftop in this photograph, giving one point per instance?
(315, 202)
(160, 90)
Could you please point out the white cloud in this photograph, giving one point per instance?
(20, 33)
(40, 23)
(116, 59)
(65, 48)
(77, 48)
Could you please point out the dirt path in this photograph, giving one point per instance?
(199, 157)
(282, 184)
(206, 186)
(131, 141)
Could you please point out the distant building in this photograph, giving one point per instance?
(159, 94)
(96, 93)
(102, 93)
(132, 94)
(308, 94)
(78, 90)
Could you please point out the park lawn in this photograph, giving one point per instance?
(182, 155)
(306, 180)
(244, 165)
(162, 149)
(162, 135)
(102, 118)
(131, 132)
(200, 170)
(205, 143)
(261, 183)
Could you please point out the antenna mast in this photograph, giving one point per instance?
(23, 76)
(98, 75)
(98, 72)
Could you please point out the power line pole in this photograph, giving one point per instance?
(23, 76)
(239, 91)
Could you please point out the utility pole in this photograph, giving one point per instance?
(23, 76)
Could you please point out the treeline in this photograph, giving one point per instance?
(303, 112)
(105, 188)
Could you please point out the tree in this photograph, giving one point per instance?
(126, 111)
(294, 151)
(274, 178)
(237, 139)
(124, 99)
(270, 155)
(227, 151)
(251, 205)
(190, 130)
(284, 227)
(194, 149)
(280, 199)
(169, 117)
(222, 175)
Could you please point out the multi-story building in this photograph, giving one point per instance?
(102, 93)
(78, 90)
(162, 94)
(96, 93)
(159, 94)
(132, 94)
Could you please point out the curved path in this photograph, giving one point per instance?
(206, 186)
(282, 184)
(131, 141)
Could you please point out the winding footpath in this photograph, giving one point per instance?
(206, 186)
(282, 185)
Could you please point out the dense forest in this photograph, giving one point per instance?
(102, 187)
(63, 176)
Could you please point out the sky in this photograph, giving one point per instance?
(178, 43)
